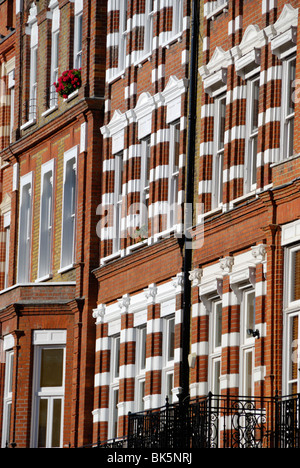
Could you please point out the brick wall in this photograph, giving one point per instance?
(66, 300)
(245, 223)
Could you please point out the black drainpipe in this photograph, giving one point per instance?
(189, 197)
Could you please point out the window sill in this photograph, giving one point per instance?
(244, 197)
(165, 234)
(217, 11)
(116, 77)
(109, 258)
(143, 59)
(72, 96)
(283, 161)
(66, 268)
(43, 278)
(176, 38)
(50, 110)
(136, 246)
(28, 124)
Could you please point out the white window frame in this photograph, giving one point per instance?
(70, 155)
(25, 228)
(148, 27)
(6, 225)
(290, 304)
(11, 87)
(140, 381)
(177, 17)
(48, 393)
(122, 42)
(46, 224)
(8, 396)
(218, 155)
(145, 180)
(173, 176)
(216, 7)
(118, 201)
(291, 352)
(168, 364)
(215, 350)
(291, 310)
(78, 28)
(250, 165)
(114, 386)
(247, 341)
(55, 33)
(33, 72)
(287, 119)
(177, 22)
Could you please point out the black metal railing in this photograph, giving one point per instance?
(118, 443)
(218, 422)
(214, 421)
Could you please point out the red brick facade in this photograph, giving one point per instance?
(250, 230)
(95, 313)
(140, 276)
(51, 312)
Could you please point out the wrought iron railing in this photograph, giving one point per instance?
(214, 422)
(119, 443)
(219, 422)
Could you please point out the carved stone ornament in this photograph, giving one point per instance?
(259, 253)
(226, 264)
(195, 276)
(124, 303)
(150, 293)
(99, 313)
(178, 281)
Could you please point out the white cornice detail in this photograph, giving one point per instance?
(283, 33)
(220, 59)
(117, 124)
(99, 313)
(288, 18)
(214, 74)
(174, 88)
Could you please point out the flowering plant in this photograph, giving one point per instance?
(69, 82)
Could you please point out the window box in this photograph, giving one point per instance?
(68, 83)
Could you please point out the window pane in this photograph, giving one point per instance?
(293, 354)
(248, 373)
(56, 425)
(24, 236)
(254, 159)
(255, 97)
(221, 130)
(291, 86)
(296, 276)
(52, 368)
(218, 329)
(141, 395)
(117, 357)
(7, 423)
(11, 367)
(143, 348)
(176, 146)
(216, 377)
(250, 323)
(42, 430)
(69, 208)
(46, 226)
(115, 413)
(171, 339)
(170, 384)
